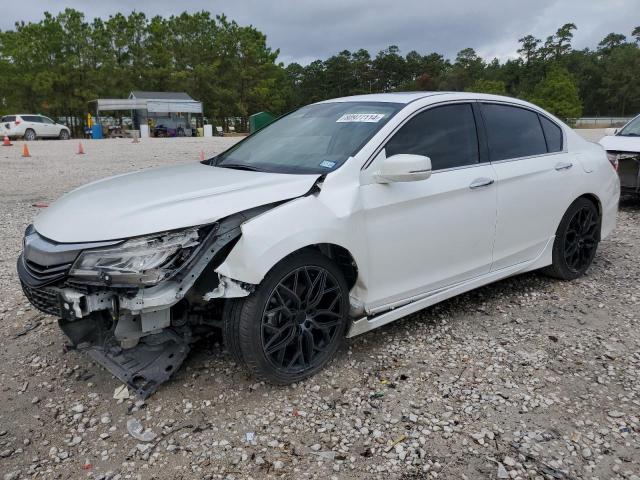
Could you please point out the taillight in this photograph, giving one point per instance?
(18, 121)
(613, 160)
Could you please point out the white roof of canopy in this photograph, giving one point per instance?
(152, 105)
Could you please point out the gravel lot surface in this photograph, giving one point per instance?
(526, 378)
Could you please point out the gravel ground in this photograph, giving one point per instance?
(525, 378)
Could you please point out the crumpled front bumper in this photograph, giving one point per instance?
(143, 367)
(135, 333)
(95, 324)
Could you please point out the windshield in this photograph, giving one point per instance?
(314, 139)
(632, 129)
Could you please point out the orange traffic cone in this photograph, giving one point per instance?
(25, 151)
(201, 155)
(6, 142)
(80, 149)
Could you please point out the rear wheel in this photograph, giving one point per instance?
(64, 135)
(576, 241)
(293, 323)
(29, 135)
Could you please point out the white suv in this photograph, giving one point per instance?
(336, 219)
(31, 127)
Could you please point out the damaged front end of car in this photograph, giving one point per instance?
(628, 166)
(137, 305)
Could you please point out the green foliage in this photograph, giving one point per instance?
(496, 87)
(57, 65)
(558, 94)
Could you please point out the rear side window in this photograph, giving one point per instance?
(447, 135)
(8, 118)
(31, 118)
(552, 133)
(512, 132)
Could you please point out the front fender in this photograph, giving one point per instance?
(305, 221)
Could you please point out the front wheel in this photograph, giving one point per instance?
(64, 135)
(576, 241)
(293, 323)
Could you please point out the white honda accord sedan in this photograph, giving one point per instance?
(336, 219)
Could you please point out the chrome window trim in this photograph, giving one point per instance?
(516, 159)
(461, 167)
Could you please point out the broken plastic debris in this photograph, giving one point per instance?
(401, 438)
(137, 431)
(250, 436)
(121, 393)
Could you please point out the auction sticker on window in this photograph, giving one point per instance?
(361, 117)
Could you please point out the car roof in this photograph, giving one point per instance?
(408, 97)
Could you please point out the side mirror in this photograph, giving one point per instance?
(403, 168)
(610, 131)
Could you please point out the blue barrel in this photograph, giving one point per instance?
(96, 131)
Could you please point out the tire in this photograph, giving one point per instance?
(29, 135)
(293, 323)
(576, 241)
(64, 135)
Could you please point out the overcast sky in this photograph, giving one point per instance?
(306, 30)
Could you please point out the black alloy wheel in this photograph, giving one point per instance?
(576, 240)
(293, 323)
(581, 239)
(301, 319)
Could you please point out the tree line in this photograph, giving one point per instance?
(57, 65)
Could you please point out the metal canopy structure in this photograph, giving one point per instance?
(173, 113)
(152, 102)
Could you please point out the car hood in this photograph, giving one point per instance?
(617, 143)
(161, 199)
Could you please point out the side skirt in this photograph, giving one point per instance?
(415, 304)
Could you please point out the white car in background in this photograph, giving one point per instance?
(31, 126)
(623, 150)
(336, 219)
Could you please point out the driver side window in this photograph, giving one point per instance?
(446, 134)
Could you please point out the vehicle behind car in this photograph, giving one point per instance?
(31, 126)
(623, 150)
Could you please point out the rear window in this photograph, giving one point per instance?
(8, 118)
(552, 133)
(512, 132)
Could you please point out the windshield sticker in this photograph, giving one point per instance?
(361, 117)
(327, 164)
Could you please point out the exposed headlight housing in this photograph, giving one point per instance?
(139, 261)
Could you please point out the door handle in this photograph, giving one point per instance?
(564, 166)
(481, 182)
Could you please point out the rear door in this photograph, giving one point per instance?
(534, 173)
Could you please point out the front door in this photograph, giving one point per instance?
(426, 235)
